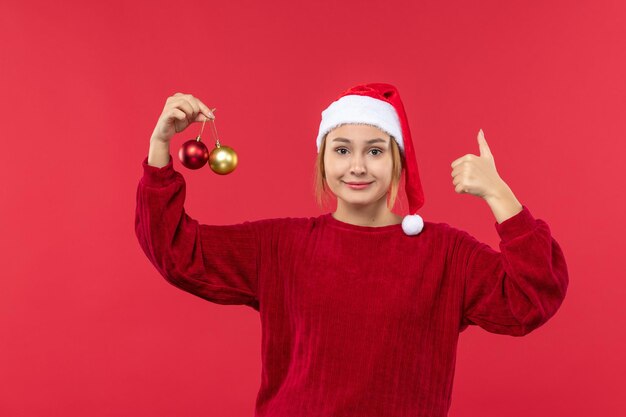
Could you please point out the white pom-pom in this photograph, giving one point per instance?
(412, 224)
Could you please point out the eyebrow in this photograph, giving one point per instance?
(369, 141)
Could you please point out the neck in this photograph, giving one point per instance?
(374, 215)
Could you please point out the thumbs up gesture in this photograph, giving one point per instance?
(477, 175)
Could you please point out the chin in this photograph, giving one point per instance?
(365, 201)
(359, 203)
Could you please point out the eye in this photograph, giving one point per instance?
(378, 151)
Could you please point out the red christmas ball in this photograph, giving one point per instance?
(193, 154)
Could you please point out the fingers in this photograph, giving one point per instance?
(466, 157)
(461, 188)
(205, 110)
(460, 174)
(184, 105)
(461, 182)
(192, 106)
(180, 111)
(180, 119)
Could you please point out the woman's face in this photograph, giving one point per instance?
(358, 153)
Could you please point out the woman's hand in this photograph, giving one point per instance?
(179, 112)
(477, 175)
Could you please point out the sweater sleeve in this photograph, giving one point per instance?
(518, 289)
(216, 263)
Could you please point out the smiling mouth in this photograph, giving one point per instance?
(358, 186)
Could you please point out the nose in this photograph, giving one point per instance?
(357, 167)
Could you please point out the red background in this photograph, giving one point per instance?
(88, 327)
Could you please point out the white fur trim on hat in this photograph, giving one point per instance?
(412, 224)
(356, 108)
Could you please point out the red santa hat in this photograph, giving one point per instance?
(379, 104)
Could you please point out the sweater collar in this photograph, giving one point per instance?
(330, 220)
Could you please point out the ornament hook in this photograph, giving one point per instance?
(202, 128)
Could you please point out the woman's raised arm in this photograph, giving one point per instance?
(518, 289)
(217, 263)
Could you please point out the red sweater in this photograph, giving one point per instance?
(356, 321)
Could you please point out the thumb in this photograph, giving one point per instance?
(482, 144)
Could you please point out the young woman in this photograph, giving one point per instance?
(361, 308)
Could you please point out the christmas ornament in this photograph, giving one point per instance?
(194, 154)
(223, 159)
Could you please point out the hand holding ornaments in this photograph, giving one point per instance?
(180, 111)
(194, 153)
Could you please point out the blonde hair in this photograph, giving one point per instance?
(323, 194)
